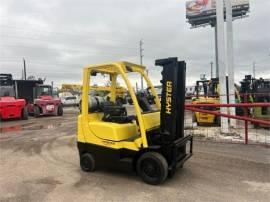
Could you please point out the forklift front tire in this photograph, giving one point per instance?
(152, 167)
(60, 110)
(24, 113)
(87, 162)
(36, 111)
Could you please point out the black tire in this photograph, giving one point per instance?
(152, 167)
(194, 120)
(36, 111)
(256, 126)
(24, 113)
(218, 120)
(60, 110)
(87, 162)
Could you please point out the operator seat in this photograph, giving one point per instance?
(143, 102)
(116, 113)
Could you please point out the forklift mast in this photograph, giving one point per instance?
(6, 85)
(25, 89)
(172, 99)
(204, 86)
(246, 84)
(213, 87)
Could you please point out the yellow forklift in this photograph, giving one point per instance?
(152, 141)
(210, 89)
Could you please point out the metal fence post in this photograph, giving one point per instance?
(246, 122)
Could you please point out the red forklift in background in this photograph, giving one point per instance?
(39, 98)
(10, 107)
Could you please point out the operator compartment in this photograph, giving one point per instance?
(109, 115)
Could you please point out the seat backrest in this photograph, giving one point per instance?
(144, 104)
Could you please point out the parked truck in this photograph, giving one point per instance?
(10, 106)
(39, 98)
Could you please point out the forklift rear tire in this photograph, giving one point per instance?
(87, 162)
(218, 121)
(24, 113)
(60, 110)
(152, 167)
(36, 111)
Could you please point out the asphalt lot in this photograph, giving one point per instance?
(39, 162)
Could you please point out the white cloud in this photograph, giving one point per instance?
(58, 37)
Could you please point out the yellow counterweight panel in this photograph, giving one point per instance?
(135, 145)
(97, 117)
(205, 118)
(113, 131)
(85, 135)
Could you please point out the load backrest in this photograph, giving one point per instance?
(172, 99)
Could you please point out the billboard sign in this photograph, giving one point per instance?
(204, 7)
(198, 7)
(203, 12)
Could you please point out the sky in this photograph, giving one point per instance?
(58, 37)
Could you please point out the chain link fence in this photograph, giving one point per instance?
(257, 134)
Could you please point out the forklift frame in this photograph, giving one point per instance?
(156, 134)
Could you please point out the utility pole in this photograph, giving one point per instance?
(141, 62)
(24, 69)
(211, 63)
(254, 69)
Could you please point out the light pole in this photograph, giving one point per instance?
(221, 62)
(211, 63)
(230, 58)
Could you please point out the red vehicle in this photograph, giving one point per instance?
(10, 107)
(39, 98)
